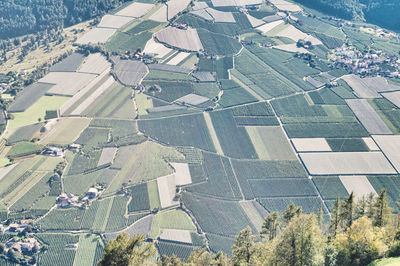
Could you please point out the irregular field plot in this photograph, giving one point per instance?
(169, 249)
(92, 97)
(176, 6)
(393, 97)
(29, 96)
(96, 35)
(391, 184)
(135, 10)
(221, 180)
(114, 22)
(390, 146)
(155, 48)
(142, 162)
(255, 214)
(171, 219)
(220, 217)
(57, 252)
(122, 42)
(166, 190)
(330, 187)
(24, 148)
(66, 131)
(37, 111)
(218, 44)
(176, 235)
(107, 156)
(140, 198)
(182, 174)
(24, 133)
(69, 64)
(368, 117)
(325, 130)
(368, 87)
(85, 255)
(188, 130)
(348, 145)
(79, 184)
(184, 39)
(67, 83)
(286, 6)
(288, 187)
(308, 204)
(346, 163)
(234, 140)
(270, 143)
(311, 144)
(359, 185)
(130, 72)
(95, 63)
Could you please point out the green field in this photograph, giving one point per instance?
(87, 245)
(221, 180)
(171, 219)
(234, 140)
(122, 42)
(189, 130)
(140, 163)
(37, 111)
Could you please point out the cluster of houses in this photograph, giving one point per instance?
(26, 246)
(22, 246)
(381, 33)
(16, 227)
(66, 200)
(369, 63)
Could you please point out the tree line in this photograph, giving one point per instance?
(380, 12)
(21, 17)
(355, 234)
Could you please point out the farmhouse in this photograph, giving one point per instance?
(92, 193)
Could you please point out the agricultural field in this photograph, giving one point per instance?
(188, 121)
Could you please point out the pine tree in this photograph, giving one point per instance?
(320, 216)
(300, 243)
(370, 205)
(125, 251)
(243, 248)
(334, 222)
(361, 207)
(347, 213)
(291, 211)
(382, 209)
(270, 225)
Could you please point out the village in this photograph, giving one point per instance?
(370, 63)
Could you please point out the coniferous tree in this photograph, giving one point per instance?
(361, 207)
(125, 251)
(382, 209)
(320, 216)
(243, 248)
(347, 211)
(270, 226)
(291, 211)
(334, 223)
(300, 243)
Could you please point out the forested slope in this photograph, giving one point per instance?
(20, 17)
(381, 12)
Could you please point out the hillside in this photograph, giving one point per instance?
(21, 17)
(380, 12)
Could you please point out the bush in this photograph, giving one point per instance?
(394, 251)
